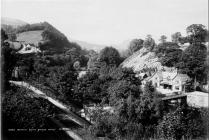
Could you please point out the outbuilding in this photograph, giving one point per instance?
(197, 99)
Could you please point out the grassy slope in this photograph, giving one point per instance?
(30, 37)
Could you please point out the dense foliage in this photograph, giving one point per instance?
(149, 43)
(136, 115)
(110, 56)
(34, 111)
(184, 122)
(8, 61)
(135, 45)
(169, 53)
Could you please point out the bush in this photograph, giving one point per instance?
(184, 122)
(21, 110)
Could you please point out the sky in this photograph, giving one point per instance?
(110, 21)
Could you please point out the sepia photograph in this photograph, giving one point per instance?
(104, 70)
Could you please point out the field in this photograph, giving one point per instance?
(30, 37)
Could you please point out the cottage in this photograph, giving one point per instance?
(168, 81)
(28, 49)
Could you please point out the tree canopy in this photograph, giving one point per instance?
(193, 61)
(110, 56)
(196, 33)
(149, 43)
(135, 45)
(176, 37)
(162, 38)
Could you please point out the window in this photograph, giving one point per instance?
(177, 87)
(155, 84)
(27, 49)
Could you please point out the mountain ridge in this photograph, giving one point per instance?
(12, 21)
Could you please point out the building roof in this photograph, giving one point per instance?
(31, 49)
(141, 75)
(169, 76)
(81, 73)
(198, 93)
(182, 77)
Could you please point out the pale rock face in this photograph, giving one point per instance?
(142, 59)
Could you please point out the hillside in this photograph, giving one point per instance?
(142, 59)
(44, 35)
(12, 21)
(33, 37)
(89, 46)
(97, 47)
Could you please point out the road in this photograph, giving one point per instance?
(70, 115)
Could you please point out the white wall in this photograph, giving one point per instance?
(197, 99)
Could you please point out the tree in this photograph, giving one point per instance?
(110, 56)
(184, 122)
(12, 36)
(124, 84)
(163, 38)
(149, 43)
(93, 64)
(4, 36)
(172, 57)
(21, 110)
(176, 37)
(196, 33)
(74, 54)
(163, 48)
(8, 61)
(89, 87)
(135, 45)
(193, 61)
(149, 105)
(136, 114)
(62, 79)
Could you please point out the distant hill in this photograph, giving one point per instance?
(12, 21)
(123, 45)
(97, 47)
(88, 46)
(44, 35)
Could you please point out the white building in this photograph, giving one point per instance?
(27, 49)
(168, 81)
(197, 99)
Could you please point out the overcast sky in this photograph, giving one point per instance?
(110, 21)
